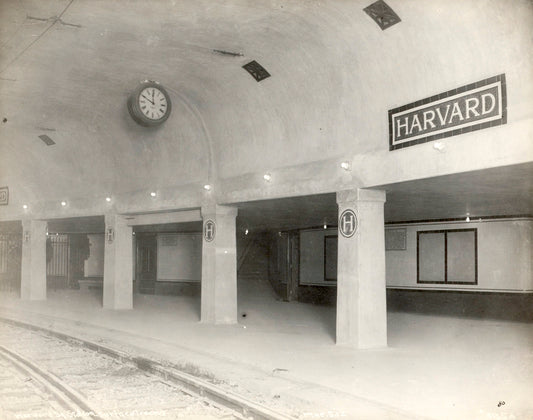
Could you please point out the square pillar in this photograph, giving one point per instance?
(219, 265)
(33, 266)
(361, 283)
(118, 263)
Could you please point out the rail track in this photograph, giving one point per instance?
(46, 374)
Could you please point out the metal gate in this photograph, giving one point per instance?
(10, 260)
(57, 261)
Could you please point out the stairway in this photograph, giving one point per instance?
(252, 276)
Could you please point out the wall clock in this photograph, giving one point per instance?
(149, 104)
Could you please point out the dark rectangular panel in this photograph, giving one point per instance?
(330, 258)
(257, 71)
(47, 140)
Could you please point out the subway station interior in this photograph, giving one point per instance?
(325, 205)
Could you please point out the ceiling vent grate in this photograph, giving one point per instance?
(382, 14)
(256, 70)
(47, 140)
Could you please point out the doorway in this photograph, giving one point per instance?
(146, 262)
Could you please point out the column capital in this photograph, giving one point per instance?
(212, 209)
(114, 219)
(360, 194)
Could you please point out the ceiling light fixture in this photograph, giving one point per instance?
(63, 203)
(207, 187)
(108, 199)
(439, 146)
(267, 177)
(153, 194)
(24, 206)
(346, 166)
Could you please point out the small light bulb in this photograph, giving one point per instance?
(325, 226)
(207, 187)
(108, 199)
(267, 177)
(153, 194)
(24, 206)
(63, 203)
(468, 217)
(246, 232)
(346, 166)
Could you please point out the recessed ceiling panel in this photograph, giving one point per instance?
(382, 14)
(47, 140)
(256, 70)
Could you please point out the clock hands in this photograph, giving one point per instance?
(149, 100)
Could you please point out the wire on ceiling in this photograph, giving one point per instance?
(54, 21)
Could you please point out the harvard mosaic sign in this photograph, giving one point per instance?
(209, 230)
(473, 107)
(4, 196)
(348, 223)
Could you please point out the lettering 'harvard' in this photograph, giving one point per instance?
(446, 115)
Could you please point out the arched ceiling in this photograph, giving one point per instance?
(68, 66)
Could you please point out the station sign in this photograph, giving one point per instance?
(469, 108)
(209, 230)
(4, 196)
(110, 235)
(348, 223)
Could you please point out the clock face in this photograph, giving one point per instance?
(149, 104)
(153, 103)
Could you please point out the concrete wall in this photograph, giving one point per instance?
(179, 257)
(504, 256)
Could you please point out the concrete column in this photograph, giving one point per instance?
(361, 292)
(33, 266)
(219, 265)
(118, 263)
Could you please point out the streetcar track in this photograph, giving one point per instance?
(67, 399)
(124, 377)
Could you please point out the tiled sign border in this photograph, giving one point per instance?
(474, 127)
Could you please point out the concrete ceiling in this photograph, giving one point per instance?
(504, 191)
(68, 66)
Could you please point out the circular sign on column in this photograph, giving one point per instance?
(209, 230)
(348, 223)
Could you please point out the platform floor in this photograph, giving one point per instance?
(284, 354)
